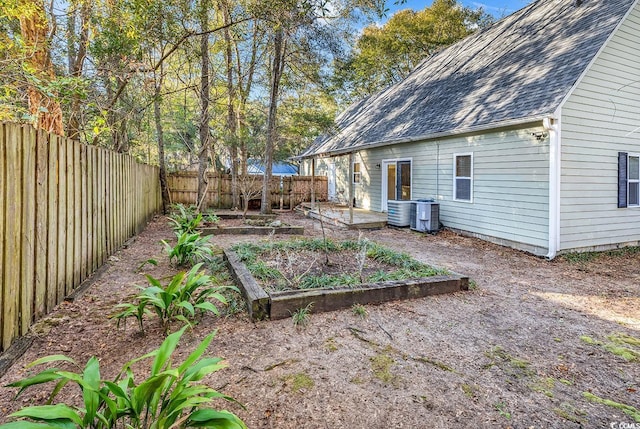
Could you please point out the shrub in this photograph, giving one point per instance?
(187, 219)
(184, 296)
(169, 397)
(190, 249)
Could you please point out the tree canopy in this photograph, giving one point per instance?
(386, 54)
(208, 83)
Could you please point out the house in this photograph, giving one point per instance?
(278, 168)
(527, 132)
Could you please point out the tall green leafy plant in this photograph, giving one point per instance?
(180, 300)
(190, 249)
(170, 397)
(185, 219)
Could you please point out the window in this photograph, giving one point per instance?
(628, 179)
(463, 177)
(356, 173)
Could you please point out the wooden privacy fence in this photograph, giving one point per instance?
(286, 192)
(64, 208)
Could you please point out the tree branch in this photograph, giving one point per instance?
(180, 41)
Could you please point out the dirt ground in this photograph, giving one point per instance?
(506, 354)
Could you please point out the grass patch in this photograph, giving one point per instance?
(627, 409)
(470, 390)
(544, 386)
(302, 316)
(381, 366)
(570, 413)
(501, 407)
(512, 365)
(625, 346)
(359, 310)
(299, 382)
(585, 257)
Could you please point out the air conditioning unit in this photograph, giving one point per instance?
(425, 216)
(399, 212)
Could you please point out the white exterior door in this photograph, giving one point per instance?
(396, 181)
(331, 181)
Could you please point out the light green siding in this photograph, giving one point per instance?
(601, 118)
(510, 183)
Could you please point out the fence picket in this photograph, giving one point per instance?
(64, 207)
(3, 202)
(28, 242)
(42, 216)
(12, 231)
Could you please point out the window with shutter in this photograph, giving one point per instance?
(628, 179)
(463, 177)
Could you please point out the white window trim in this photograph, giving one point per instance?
(455, 156)
(359, 173)
(632, 155)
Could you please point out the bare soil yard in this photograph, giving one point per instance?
(520, 350)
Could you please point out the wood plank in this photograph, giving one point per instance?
(12, 232)
(100, 206)
(108, 215)
(77, 215)
(85, 216)
(42, 216)
(92, 204)
(62, 219)
(117, 202)
(52, 221)
(27, 275)
(70, 213)
(3, 202)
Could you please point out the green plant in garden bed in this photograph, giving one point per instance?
(190, 249)
(171, 396)
(184, 296)
(185, 219)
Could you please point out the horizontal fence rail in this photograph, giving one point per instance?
(64, 208)
(286, 192)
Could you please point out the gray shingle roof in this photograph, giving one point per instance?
(519, 68)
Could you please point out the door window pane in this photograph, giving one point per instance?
(634, 162)
(404, 179)
(391, 181)
(634, 198)
(463, 166)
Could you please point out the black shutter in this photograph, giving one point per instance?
(622, 179)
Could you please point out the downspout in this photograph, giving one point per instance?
(437, 196)
(553, 127)
(313, 185)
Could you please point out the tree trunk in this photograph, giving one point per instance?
(232, 141)
(203, 157)
(34, 27)
(166, 198)
(276, 73)
(77, 55)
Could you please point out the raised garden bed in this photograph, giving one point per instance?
(381, 275)
(256, 224)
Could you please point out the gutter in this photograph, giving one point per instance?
(430, 136)
(553, 126)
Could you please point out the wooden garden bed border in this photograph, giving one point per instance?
(279, 305)
(253, 230)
